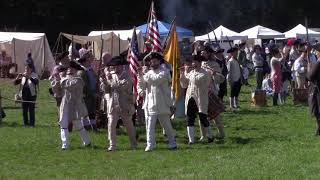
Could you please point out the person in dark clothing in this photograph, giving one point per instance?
(314, 93)
(90, 90)
(30, 62)
(220, 59)
(28, 82)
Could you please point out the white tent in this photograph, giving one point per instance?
(260, 32)
(300, 32)
(114, 42)
(222, 34)
(18, 45)
(120, 44)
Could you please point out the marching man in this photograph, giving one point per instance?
(197, 82)
(117, 86)
(154, 86)
(72, 107)
(215, 105)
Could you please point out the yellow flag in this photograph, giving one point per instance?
(172, 56)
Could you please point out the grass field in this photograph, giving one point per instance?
(261, 143)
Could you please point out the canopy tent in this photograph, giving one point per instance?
(114, 42)
(300, 32)
(260, 32)
(164, 29)
(18, 45)
(222, 34)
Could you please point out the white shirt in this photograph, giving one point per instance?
(158, 96)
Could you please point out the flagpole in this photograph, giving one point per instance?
(145, 36)
(167, 37)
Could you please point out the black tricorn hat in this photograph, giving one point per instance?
(62, 55)
(232, 49)
(82, 59)
(198, 58)
(218, 50)
(117, 61)
(208, 49)
(75, 65)
(153, 55)
(142, 56)
(61, 68)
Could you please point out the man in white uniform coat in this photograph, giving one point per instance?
(158, 104)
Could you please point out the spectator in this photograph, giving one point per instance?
(28, 92)
(30, 62)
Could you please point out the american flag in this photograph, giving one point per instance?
(153, 31)
(133, 60)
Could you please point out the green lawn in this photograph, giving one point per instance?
(261, 143)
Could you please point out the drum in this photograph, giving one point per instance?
(300, 96)
(215, 106)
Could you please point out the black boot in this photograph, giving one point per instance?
(275, 99)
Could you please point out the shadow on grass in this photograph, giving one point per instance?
(18, 125)
(12, 107)
(241, 140)
(255, 112)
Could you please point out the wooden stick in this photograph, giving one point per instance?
(98, 98)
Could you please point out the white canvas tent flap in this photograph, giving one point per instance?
(124, 36)
(114, 42)
(84, 39)
(260, 32)
(222, 34)
(300, 32)
(18, 45)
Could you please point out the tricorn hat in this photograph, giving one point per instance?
(75, 65)
(117, 61)
(208, 49)
(198, 58)
(153, 55)
(232, 49)
(218, 49)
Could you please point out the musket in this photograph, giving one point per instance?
(306, 24)
(214, 33)
(229, 42)
(307, 31)
(209, 38)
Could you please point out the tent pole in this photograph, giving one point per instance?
(44, 52)
(14, 51)
(112, 44)
(72, 47)
(56, 45)
(119, 43)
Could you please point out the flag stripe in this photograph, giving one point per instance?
(153, 35)
(133, 61)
